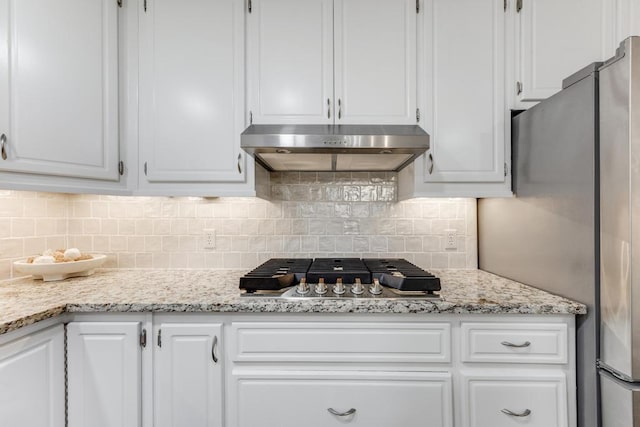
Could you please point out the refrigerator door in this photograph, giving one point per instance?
(620, 211)
(546, 236)
(620, 402)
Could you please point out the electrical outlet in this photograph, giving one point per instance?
(451, 237)
(209, 238)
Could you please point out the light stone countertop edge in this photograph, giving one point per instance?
(26, 301)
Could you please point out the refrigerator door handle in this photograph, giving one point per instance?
(510, 344)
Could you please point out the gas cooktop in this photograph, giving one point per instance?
(339, 278)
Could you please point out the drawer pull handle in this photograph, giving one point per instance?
(510, 344)
(3, 146)
(342, 414)
(524, 413)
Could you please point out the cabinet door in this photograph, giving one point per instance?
(191, 91)
(464, 99)
(322, 399)
(375, 61)
(59, 87)
(32, 380)
(290, 61)
(495, 400)
(104, 374)
(556, 39)
(188, 376)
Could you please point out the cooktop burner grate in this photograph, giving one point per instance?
(339, 278)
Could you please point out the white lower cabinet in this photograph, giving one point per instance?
(188, 375)
(104, 374)
(321, 399)
(500, 399)
(32, 380)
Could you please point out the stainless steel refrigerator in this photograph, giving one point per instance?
(573, 228)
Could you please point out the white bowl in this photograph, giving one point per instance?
(61, 270)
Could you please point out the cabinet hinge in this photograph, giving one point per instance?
(417, 6)
(121, 167)
(143, 338)
(249, 6)
(144, 4)
(518, 5)
(250, 117)
(159, 337)
(119, 3)
(145, 168)
(518, 88)
(506, 169)
(418, 115)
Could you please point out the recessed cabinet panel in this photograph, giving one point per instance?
(32, 380)
(104, 374)
(556, 39)
(290, 61)
(191, 91)
(375, 56)
(321, 399)
(341, 342)
(188, 376)
(535, 401)
(59, 88)
(465, 105)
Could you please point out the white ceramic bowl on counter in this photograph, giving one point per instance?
(60, 270)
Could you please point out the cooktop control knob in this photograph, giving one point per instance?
(357, 288)
(321, 287)
(303, 288)
(376, 288)
(338, 288)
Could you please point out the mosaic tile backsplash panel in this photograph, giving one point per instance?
(309, 215)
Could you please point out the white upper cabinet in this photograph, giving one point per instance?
(59, 88)
(338, 61)
(554, 39)
(375, 61)
(463, 99)
(191, 91)
(290, 61)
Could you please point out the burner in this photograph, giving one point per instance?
(339, 278)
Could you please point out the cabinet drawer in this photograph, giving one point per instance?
(514, 343)
(341, 342)
(492, 400)
(382, 399)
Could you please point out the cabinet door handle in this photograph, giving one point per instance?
(430, 167)
(3, 146)
(524, 413)
(239, 163)
(342, 414)
(339, 108)
(213, 349)
(510, 344)
(328, 108)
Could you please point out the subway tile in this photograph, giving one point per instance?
(118, 243)
(327, 244)
(144, 260)
(126, 227)
(395, 244)
(24, 227)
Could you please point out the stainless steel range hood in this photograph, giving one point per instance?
(334, 147)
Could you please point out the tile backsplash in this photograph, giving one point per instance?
(309, 215)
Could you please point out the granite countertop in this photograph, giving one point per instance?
(25, 301)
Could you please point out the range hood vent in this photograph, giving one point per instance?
(318, 148)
